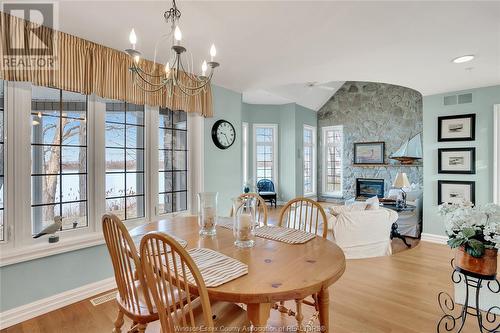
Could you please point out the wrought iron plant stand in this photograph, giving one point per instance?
(454, 321)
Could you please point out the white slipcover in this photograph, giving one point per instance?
(364, 234)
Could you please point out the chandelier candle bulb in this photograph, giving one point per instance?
(213, 52)
(178, 35)
(204, 68)
(132, 38)
(167, 68)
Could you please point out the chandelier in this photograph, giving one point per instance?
(176, 73)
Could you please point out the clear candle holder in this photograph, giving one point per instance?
(244, 221)
(207, 213)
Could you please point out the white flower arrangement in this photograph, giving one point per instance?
(475, 228)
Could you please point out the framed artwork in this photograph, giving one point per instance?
(457, 160)
(454, 191)
(457, 128)
(369, 153)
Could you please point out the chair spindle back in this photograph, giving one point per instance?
(304, 214)
(261, 207)
(126, 265)
(173, 268)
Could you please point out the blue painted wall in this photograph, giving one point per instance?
(29, 281)
(222, 168)
(290, 119)
(483, 100)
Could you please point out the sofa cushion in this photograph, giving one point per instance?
(337, 210)
(372, 203)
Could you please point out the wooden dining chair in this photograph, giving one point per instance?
(195, 312)
(306, 215)
(133, 297)
(261, 207)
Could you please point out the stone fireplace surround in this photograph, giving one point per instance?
(372, 112)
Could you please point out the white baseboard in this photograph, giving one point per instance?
(42, 306)
(431, 238)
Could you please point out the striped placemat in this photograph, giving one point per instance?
(137, 242)
(285, 235)
(215, 268)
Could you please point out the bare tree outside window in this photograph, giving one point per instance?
(58, 158)
(125, 159)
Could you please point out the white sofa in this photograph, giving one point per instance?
(363, 233)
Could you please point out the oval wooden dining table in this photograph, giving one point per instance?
(276, 271)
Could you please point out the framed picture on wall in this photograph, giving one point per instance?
(457, 160)
(456, 191)
(457, 128)
(369, 152)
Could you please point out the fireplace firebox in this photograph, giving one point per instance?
(369, 187)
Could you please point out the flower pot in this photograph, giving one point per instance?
(486, 265)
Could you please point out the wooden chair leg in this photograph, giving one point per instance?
(118, 322)
(141, 328)
(133, 327)
(299, 316)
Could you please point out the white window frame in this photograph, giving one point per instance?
(244, 151)
(336, 194)
(275, 151)
(496, 152)
(19, 245)
(313, 162)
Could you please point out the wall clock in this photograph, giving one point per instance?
(223, 134)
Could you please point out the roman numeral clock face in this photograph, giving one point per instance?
(223, 134)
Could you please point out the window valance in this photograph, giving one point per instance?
(86, 67)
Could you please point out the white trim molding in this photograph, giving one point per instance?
(496, 154)
(432, 238)
(51, 303)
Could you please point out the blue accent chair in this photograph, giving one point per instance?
(265, 188)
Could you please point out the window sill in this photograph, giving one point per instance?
(31, 252)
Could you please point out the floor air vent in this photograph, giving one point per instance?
(103, 298)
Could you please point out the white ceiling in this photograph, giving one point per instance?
(270, 49)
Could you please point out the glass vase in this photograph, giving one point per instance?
(244, 221)
(207, 213)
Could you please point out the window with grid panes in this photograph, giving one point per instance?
(264, 154)
(125, 159)
(334, 141)
(172, 156)
(309, 159)
(58, 158)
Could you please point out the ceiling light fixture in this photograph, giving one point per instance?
(462, 59)
(169, 79)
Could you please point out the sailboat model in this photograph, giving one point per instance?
(410, 151)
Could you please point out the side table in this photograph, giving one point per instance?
(454, 321)
(394, 228)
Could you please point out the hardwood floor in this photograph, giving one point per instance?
(396, 294)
